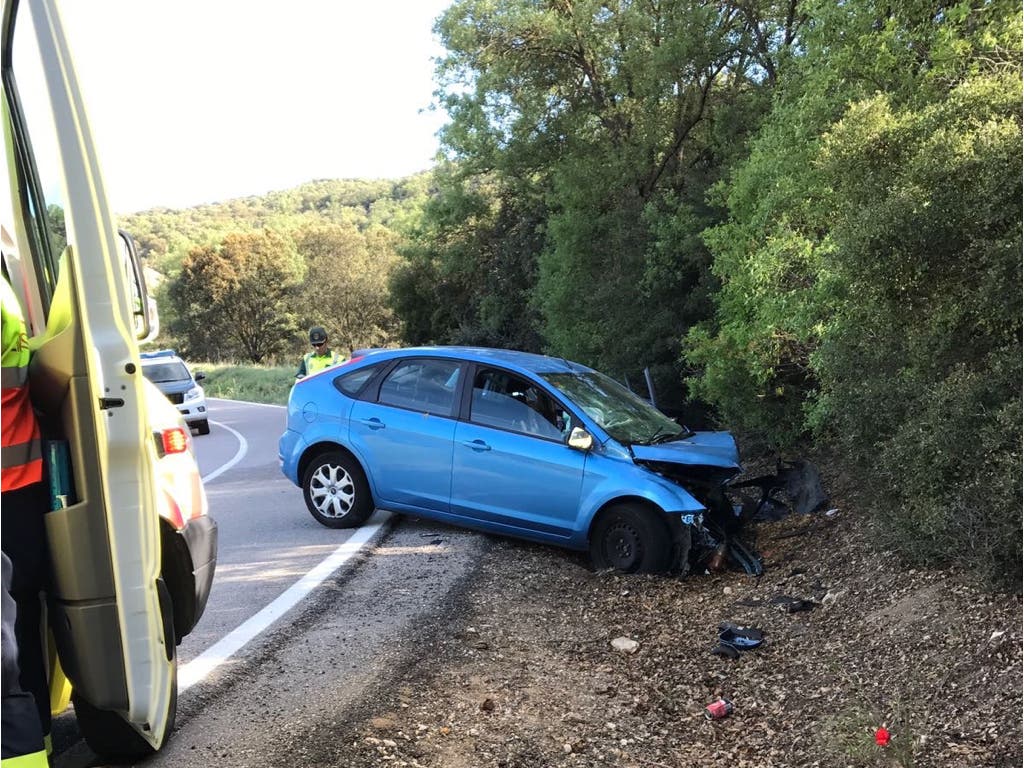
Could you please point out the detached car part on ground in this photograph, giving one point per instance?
(511, 443)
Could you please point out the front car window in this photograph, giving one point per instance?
(506, 401)
(425, 385)
(623, 415)
(164, 372)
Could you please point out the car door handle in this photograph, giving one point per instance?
(477, 445)
(373, 423)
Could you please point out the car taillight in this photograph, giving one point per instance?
(173, 440)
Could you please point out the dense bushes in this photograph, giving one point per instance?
(871, 275)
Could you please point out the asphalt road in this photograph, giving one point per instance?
(301, 618)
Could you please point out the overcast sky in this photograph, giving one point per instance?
(197, 101)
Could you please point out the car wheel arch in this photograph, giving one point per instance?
(620, 500)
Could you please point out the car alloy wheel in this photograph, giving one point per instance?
(332, 491)
(336, 491)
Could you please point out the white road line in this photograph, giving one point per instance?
(243, 448)
(200, 667)
(246, 402)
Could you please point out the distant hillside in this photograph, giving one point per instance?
(164, 236)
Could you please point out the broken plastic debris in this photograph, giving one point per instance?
(625, 644)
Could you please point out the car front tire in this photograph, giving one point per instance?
(203, 427)
(632, 539)
(336, 491)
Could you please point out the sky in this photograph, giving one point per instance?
(202, 101)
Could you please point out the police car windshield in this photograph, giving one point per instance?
(163, 372)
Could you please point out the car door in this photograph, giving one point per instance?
(512, 470)
(86, 379)
(403, 433)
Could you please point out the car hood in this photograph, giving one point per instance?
(709, 449)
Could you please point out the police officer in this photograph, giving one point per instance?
(26, 700)
(322, 355)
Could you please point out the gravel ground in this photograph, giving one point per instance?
(521, 672)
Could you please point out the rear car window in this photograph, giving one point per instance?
(352, 383)
(422, 385)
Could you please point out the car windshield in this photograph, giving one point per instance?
(623, 415)
(162, 372)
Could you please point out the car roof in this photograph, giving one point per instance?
(526, 361)
(162, 356)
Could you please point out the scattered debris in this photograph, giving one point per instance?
(882, 737)
(733, 638)
(625, 645)
(788, 604)
(716, 710)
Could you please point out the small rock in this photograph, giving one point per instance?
(727, 590)
(625, 645)
(567, 748)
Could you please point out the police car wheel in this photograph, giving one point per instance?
(336, 491)
(632, 539)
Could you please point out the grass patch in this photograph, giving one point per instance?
(252, 383)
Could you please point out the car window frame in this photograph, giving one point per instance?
(466, 407)
(373, 395)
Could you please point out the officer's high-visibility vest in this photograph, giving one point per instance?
(316, 363)
(22, 451)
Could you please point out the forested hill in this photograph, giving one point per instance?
(244, 279)
(165, 236)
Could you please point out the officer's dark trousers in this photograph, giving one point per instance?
(23, 539)
(22, 743)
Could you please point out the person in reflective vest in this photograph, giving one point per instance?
(322, 355)
(26, 699)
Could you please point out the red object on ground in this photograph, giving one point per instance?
(882, 737)
(716, 710)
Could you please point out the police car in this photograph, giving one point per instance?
(172, 377)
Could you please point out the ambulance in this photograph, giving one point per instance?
(132, 547)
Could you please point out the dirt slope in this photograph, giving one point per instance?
(522, 671)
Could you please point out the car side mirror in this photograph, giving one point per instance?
(143, 308)
(580, 439)
(199, 376)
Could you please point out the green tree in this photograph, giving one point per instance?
(237, 299)
(607, 120)
(346, 287)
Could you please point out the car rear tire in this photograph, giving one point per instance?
(106, 732)
(336, 491)
(203, 427)
(632, 539)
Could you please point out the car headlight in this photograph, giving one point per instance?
(194, 394)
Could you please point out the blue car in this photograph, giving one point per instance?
(505, 442)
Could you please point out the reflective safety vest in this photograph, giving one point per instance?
(316, 363)
(21, 453)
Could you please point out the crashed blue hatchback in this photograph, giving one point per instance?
(509, 443)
